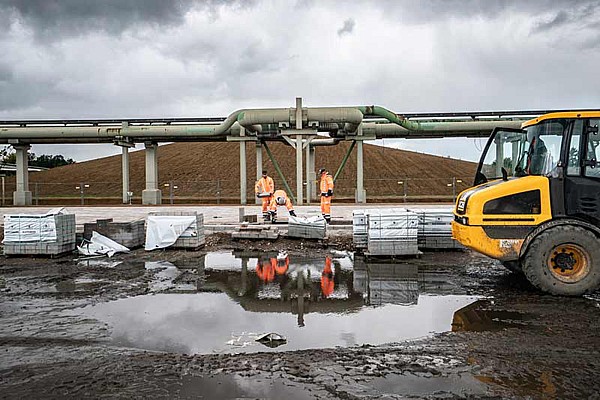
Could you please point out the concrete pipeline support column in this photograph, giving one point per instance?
(152, 194)
(299, 182)
(22, 196)
(311, 175)
(361, 194)
(243, 184)
(125, 172)
(259, 167)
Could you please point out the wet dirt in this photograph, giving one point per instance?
(506, 341)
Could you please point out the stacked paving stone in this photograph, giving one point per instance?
(435, 231)
(360, 228)
(39, 234)
(307, 228)
(193, 237)
(128, 234)
(392, 232)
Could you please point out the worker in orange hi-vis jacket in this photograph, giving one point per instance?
(327, 283)
(264, 188)
(326, 187)
(280, 198)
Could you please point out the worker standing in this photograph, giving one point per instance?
(264, 188)
(280, 198)
(326, 187)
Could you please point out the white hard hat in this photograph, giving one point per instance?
(280, 201)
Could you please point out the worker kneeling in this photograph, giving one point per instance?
(280, 198)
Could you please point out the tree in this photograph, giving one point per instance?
(45, 160)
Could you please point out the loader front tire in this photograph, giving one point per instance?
(564, 260)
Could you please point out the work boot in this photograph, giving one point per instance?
(328, 220)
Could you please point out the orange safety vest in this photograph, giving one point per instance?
(280, 193)
(266, 270)
(265, 185)
(326, 183)
(327, 284)
(281, 266)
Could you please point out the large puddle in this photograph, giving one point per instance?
(225, 301)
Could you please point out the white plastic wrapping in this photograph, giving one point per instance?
(164, 230)
(101, 245)
(20, 228)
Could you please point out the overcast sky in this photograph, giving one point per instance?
(156, 58)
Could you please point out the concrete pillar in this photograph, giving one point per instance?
(243, 183)
(299, 182)
(259, 167)
(22, 196)
(125, 171)
(499, 154)
(361, 194)
(152, 194)
(311, 174)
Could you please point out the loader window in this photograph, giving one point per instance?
(503, 152)
(518, 203)
(542, 150)
(592, 168)
(574, 155)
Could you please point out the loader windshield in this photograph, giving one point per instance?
(534, 150)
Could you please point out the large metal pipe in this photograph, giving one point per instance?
(437, 129)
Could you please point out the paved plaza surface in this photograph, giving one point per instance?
(213, 215)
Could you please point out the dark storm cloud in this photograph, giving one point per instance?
(53, 19)
(347, 28)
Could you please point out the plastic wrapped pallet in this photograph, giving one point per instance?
(392, 232)
(174, 229)
(435, 231)
(307, 228)
(359, 228)
(52, 233)
(129, 234)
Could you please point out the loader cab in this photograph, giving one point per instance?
(564, 147)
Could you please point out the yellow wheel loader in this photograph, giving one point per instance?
(535, 205)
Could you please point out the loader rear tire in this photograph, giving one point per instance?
(564, 260)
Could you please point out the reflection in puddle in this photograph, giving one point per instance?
(462, 385)
(236, 387)
(314, 302)
(476, 317)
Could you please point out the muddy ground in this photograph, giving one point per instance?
(515, 342)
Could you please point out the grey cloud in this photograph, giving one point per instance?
(53, 19)
(418, 12)
(347, 28)
(561, 18)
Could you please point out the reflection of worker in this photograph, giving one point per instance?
(326, 187)
(264, 189)
(282, 264)
(265, 269)
(327, 284)
(280, 198)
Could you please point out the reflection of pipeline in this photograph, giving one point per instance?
(267, 269)
(327, 284)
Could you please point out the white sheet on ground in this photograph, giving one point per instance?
(164, 230)
(101, 245)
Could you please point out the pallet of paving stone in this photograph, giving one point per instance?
(129, 234)
(307, 228)
(435, 230)
(392, 232)
(256, 233)
(359, 229)
(49, 234)
(193, 237)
